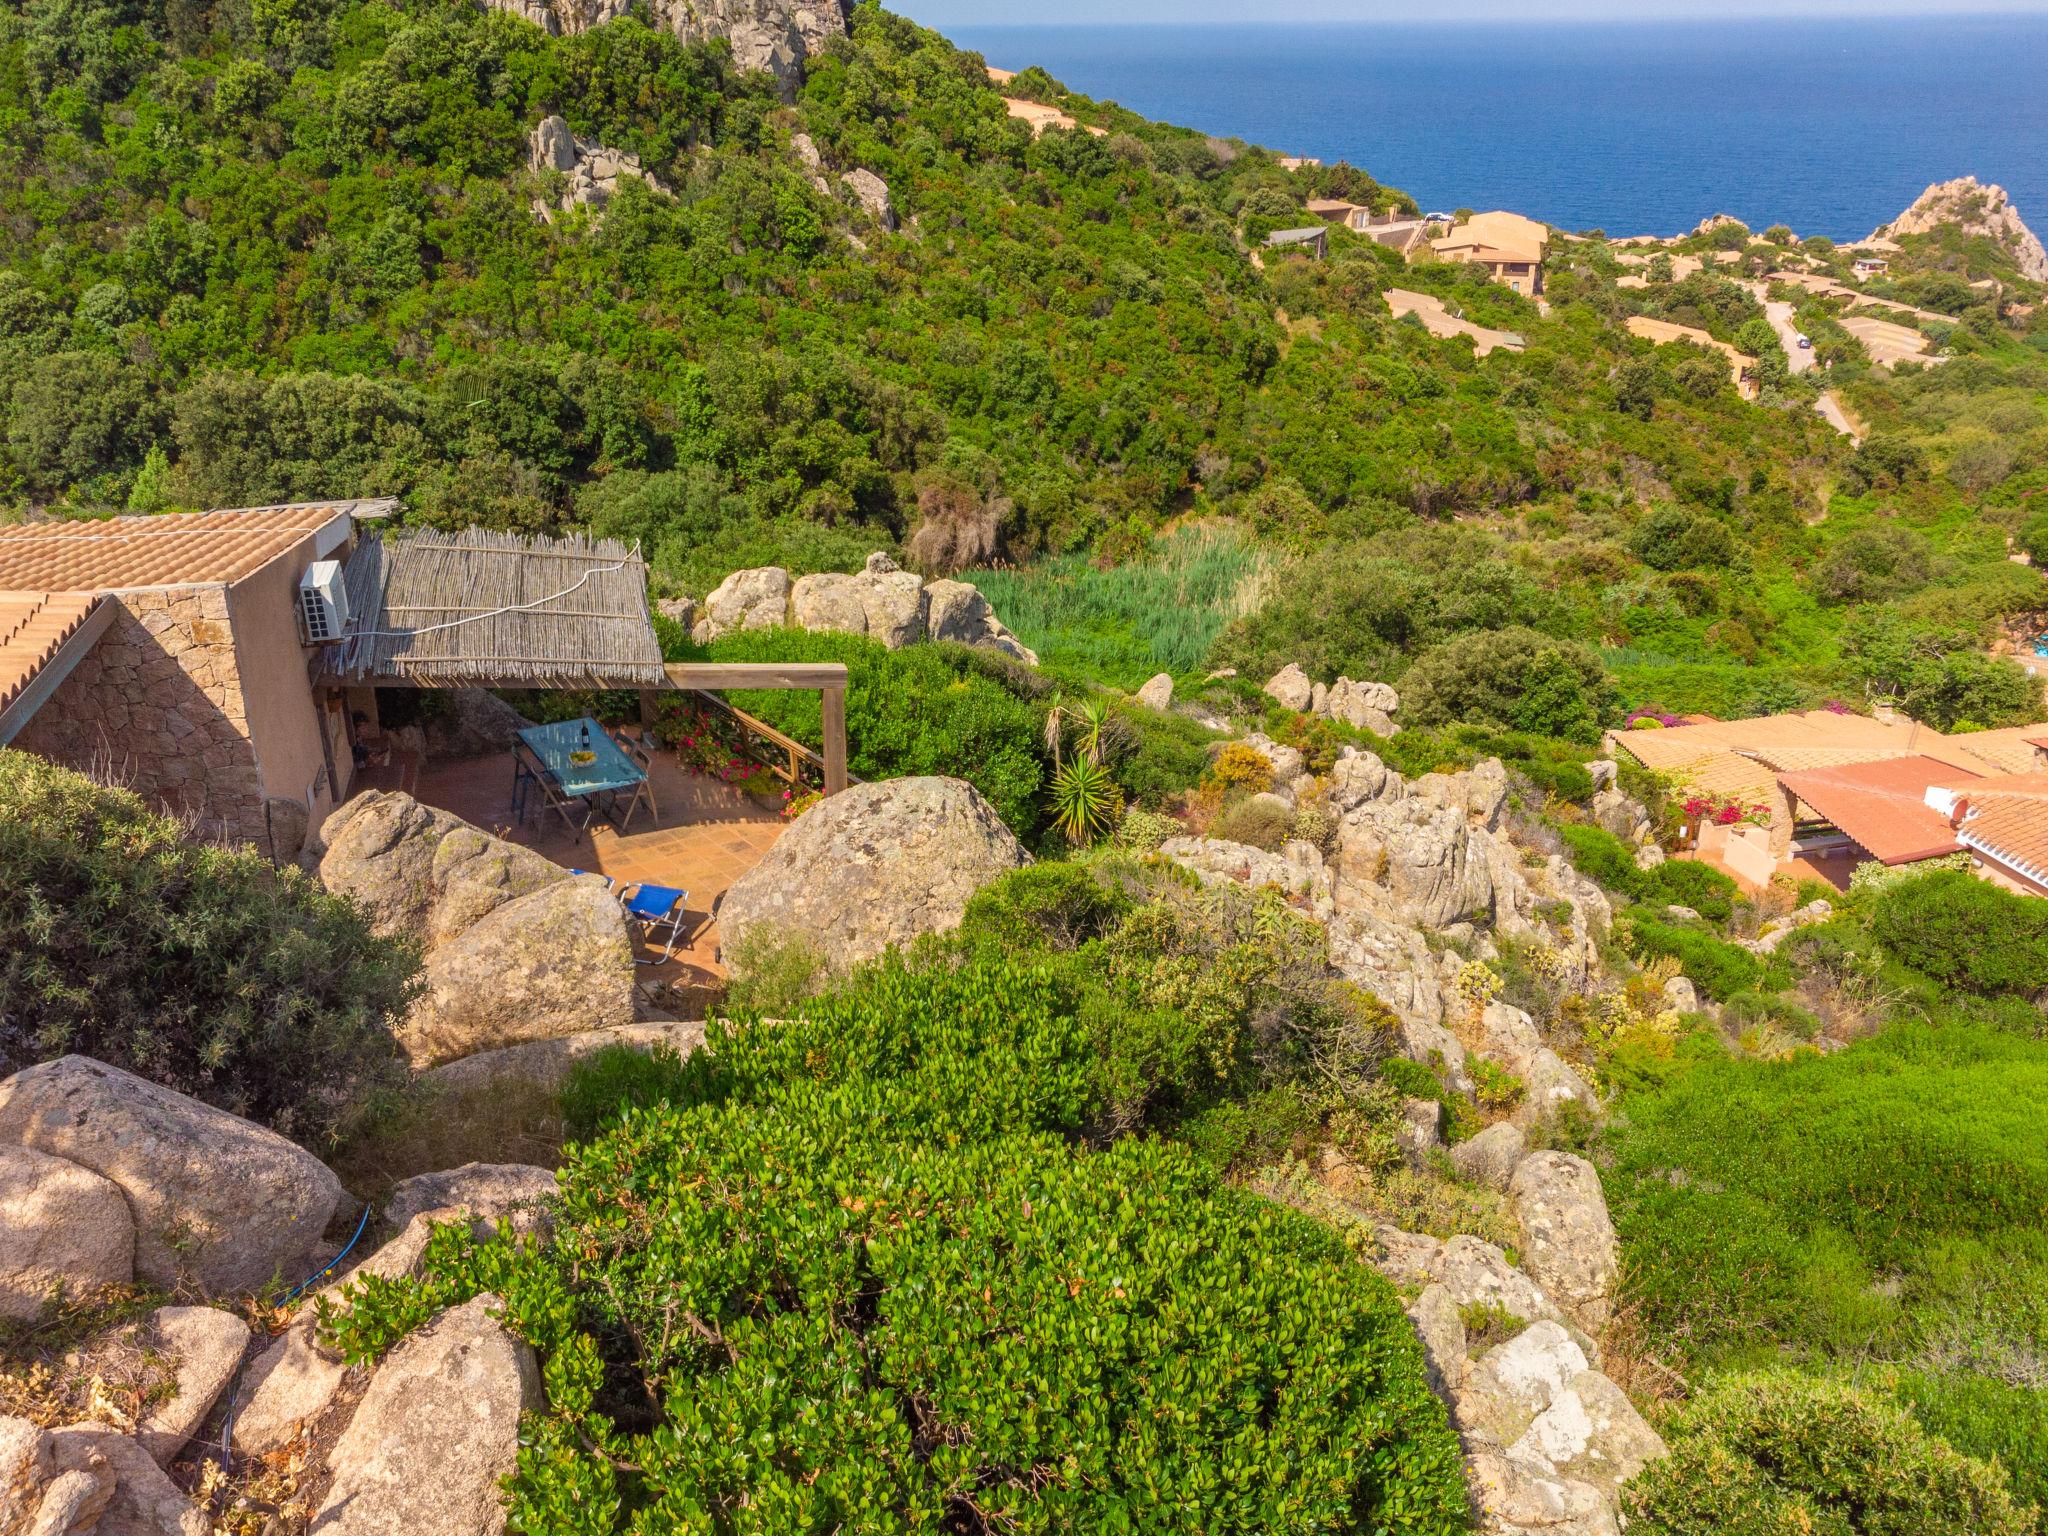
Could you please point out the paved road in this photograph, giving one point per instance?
(1779, 313)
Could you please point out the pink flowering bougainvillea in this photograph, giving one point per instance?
(1726, 813)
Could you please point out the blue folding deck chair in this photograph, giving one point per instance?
(655, 908)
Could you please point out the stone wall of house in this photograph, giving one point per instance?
(157, 705)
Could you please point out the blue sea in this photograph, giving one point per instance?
(1830, 126)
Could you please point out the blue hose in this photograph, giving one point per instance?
(228, 1424)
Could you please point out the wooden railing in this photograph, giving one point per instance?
(784, 756)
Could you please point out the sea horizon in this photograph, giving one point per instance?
(1630, 125)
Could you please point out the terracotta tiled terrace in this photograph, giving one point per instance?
(705, 837)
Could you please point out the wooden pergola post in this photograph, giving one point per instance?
(832, 715)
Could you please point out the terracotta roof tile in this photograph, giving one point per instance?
(2015, 749)
(1882, 805)
(174, 549)
(2013, 829)
(32, 626)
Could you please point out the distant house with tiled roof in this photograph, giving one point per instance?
(1511, 248)
(1817, 792)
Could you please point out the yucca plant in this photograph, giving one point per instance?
(1085, 799)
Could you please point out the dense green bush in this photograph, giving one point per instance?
(1966, 933)
(1769, 1454)
(203, 968)
(1716, 967)
(1600, 855)
(848, 1279)
(1760, 1202)
(1515, 678)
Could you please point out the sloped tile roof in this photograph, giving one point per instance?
(32, 626)
(1882, 805)
(173, 549)
(2015, 749)
(2011, 828)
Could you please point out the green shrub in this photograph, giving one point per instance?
(1515, 678)
(1256, 822)
(850, 1276)
(1716, 967)
(203, 968)
(1602, 857)
(602, 1086)
(1689, 883)
(1966, 933)
(1761, 1201)
(1767, 1454)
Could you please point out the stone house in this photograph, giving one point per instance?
(1511, 248)
(165, 653)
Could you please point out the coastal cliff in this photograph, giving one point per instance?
(1975, 208)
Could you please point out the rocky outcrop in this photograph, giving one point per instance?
(517, 948)
(1568, 1242)
(1975, 208)
(140, 1499)
(63, 1229)
(872, 866)
(435, 1433)
(204, 1346)
(490, 1191)
(881, 601)
(555, 961)
(768, 36)
(215, 1201)
(544, 1064)
(421, 872)
(1365, 706)
(1296, 870)
(1491, 1157)
(471, 722)
(1509, 1037)
(872, 193)
(592, 172)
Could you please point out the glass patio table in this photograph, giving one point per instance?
(599, 781)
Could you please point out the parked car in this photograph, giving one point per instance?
(1805, 342)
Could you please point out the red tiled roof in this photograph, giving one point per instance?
(2010, 828)
(32, 626)
(1882, 805)
(173, 549)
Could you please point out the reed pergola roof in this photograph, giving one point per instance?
(482, 609)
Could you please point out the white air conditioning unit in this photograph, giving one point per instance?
(323, 602)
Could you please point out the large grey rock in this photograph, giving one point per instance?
(956, 611)
(1491, 1157)
(1621, 815)
(216, 1201)
(1290, 688)
(1360, 778)
(291, 1384)
(1363, 706)
(553, 146)
(1509, 1385)
(1420, 854)
(1568, 1242)
(1406, 1258)
(1515, 1496)
(205, 1346)
(874, 865)
(472, 722)
(1590, 1431)
(829, 601)
(72, 1504)
(1392, 961)
(1441, 1328)
(26, 1468)
(1510, 1037)
(1477, 1274)
(423, 872)
(145, 1502)
(1157, 692)
(487, 1190)
(435, 1433)
(62, 1227)
(898, 612)
(679, 610)
(555, 961)
(1419, 1130)
(1296, 870)
(545, 1064)
(872, 193)
(750, 599)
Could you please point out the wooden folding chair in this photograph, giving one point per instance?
(550, 791)
(640, 746)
